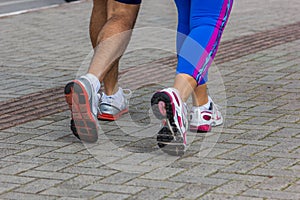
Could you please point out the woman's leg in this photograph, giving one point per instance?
(207, 22)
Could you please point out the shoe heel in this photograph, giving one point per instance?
(68, 94)
(158, 97)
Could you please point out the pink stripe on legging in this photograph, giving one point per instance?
(212, 42)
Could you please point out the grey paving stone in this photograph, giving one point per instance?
(48, 175)
(243, 153)
(189, 179)
(37, 151)
(275, 172)
(293, 188)
(120, 178)
(65, 156)
(234, 187)
(280, 163)
(276, 183)
(114, 196)
(191, 191)
(102, 172)
(79, 182)
(17, 168)
(125, 189)
(239, 177)
(37, 186)
(27, 159)
(5, 135)
(15, 179)
(17, 196)
(163, 173)
(171, 185)
(212, 196)
(70, 193)
(20, 137)
(152, 193)
(56, 165)
(5, 187)
(242, 167)
(272, 194)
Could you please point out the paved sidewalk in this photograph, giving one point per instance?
(255, 78)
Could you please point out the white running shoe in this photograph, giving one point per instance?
(114, 106)
(202, 119)
(83, 103)
(168, 106)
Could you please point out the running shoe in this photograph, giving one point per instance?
(168, 106)
(114, 106)
(203, 119)
(83, 103)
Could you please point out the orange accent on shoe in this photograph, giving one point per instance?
(109, 117)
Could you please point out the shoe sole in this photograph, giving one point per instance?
(172, 144)
(205, 128)
(198, 129)
(83, 124)
(109, 117)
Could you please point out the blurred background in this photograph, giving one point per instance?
(10, 7)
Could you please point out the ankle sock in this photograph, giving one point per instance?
(207, 105)
(94, 81)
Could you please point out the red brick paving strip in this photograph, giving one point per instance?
(50, 101)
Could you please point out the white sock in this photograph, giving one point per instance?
(94, 81)
(207, 105)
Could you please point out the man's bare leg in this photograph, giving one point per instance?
(108, 19)
(98, 19)
(111, 42)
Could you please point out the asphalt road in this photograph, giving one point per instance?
(10, 7)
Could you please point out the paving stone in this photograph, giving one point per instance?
(275, 172)
(79, 182)
(224, 196)
(56, 165)
(279, 163)
(163, 173)
(114, 196)
(239, 177)
(17, 196)
(191, 191)
(70, 193)
(272, 194)
(48, 175)
(15, 179)
(102, 172)
(120, 178)
(276, 183)
(5, 187)
(234, 187)
(293, 188)
(37, 186)
(126, 189)
(27, 159)
(152, 193)
(242, 167)
(17, 168)
(155, 183)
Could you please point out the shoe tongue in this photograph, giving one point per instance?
(210, 106)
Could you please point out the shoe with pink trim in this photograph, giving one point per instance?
(168, 106)
(202, 119)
